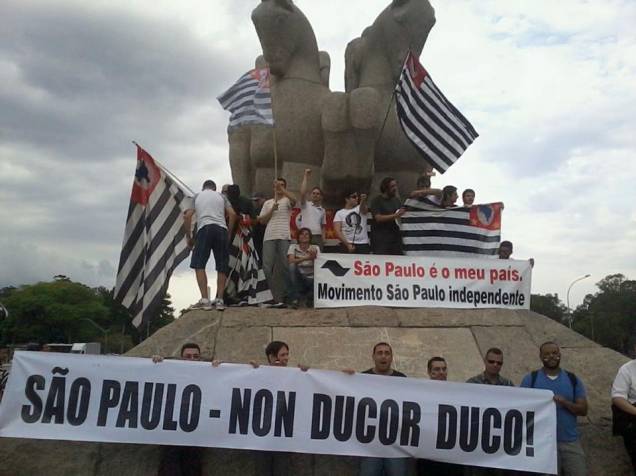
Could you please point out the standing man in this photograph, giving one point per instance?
(493, 362)
(275, 214)
(438, 370)
(624, 407)
(468, 197)
(181, 460)
(382, 356)
(350, 224)
(570, 399)
(213, 213)
(313, 215)
(386, 208)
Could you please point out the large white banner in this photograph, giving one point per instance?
(132, 400)
(418, 281)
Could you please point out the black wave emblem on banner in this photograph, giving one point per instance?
(335, 268)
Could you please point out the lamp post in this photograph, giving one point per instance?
(97, 326)
(567, 297)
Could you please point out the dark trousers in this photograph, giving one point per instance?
(630, 445)
(180, 461)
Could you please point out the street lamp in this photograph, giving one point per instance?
(567, 297)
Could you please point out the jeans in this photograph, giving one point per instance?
(383, 466)
(302, 286)
(275, 260)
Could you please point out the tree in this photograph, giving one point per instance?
(609, 316)
(549, 305)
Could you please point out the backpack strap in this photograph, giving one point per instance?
(533, 378)
(573, 381)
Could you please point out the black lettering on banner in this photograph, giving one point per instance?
(31, 413)
(529, 433)
(320, 417)
(127, 416)
(343, 417)
(262, 412)
(190, 407)
(54, 407)
(411, 414)
(513, 432)
(78, 401)
(491, 419)
(469, 428)
(151, 405)
(365, 434)
(446, 427)
(285, 411)
(240, 410)
(169, 422)
(109, 398)
(389, 422)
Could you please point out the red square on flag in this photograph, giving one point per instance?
(486, 216)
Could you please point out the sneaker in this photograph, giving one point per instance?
(218, 303)
(202, 303)
(294, 304)
(278, 305)
(243, 303)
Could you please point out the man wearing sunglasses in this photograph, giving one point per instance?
(350, 224)
(493, 362)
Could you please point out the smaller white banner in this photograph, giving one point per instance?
(343, 280)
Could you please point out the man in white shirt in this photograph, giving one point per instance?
(211, 209)
(313, 215)
(624, 407)
(350, 224)
(276, 214)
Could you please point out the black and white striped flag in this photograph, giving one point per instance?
(428, 230)
(246, 277)
(435, 127)
(249, 100)
(154, 239)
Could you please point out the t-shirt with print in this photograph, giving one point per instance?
(278, 225)
(354, 226)
(305, 267)
(313, 217)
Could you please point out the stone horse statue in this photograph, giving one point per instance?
(331, 133)
(374, 60)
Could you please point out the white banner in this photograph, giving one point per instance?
(132, 400)
(342, 280)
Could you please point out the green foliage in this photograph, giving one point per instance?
(549, 305)
(609, 316)
(63, 311)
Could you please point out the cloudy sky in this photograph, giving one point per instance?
(548, 85)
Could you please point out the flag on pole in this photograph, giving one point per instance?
(246, 279)
(154, 239)
(435, 127)
(249, 100)
(463, 231)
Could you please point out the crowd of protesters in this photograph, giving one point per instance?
(290, 262)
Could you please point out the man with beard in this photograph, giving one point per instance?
(386, 208)
(570, 399)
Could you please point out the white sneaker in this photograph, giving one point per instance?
(202, 303)
(218, 303)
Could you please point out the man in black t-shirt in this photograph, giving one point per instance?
(382, 365)
(386, 208)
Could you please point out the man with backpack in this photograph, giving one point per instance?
(570, 399)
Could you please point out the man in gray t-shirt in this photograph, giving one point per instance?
(211, 209)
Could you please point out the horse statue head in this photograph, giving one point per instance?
(288, 40)
(377, 56)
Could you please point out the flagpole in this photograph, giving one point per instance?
(388, 109)
(168, 172)
(271, 92)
